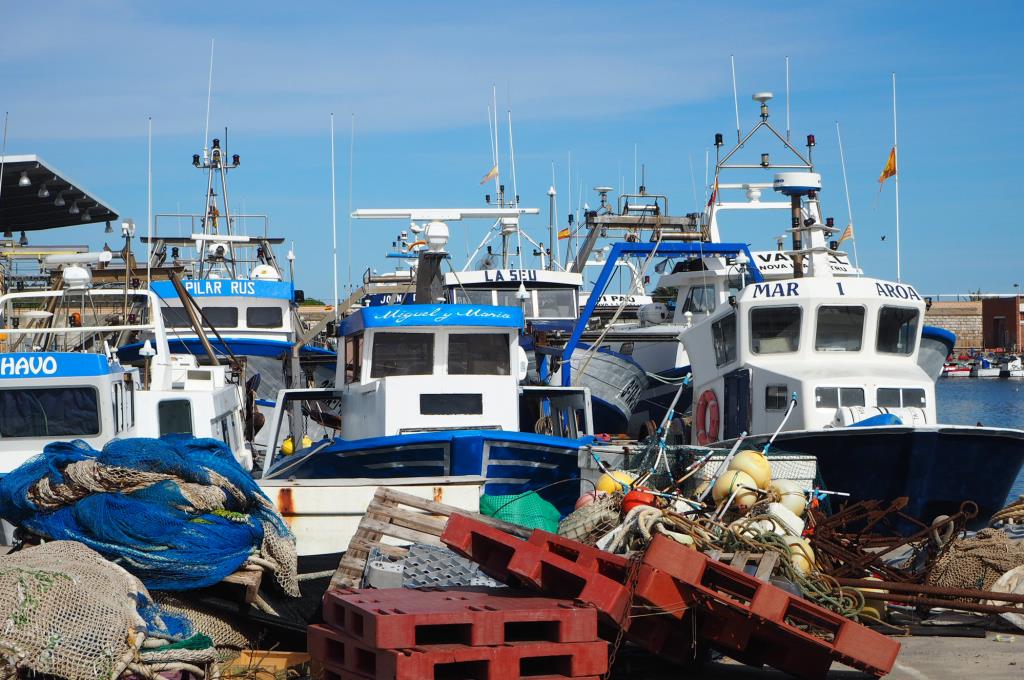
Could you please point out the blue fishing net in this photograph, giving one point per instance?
(195, 518)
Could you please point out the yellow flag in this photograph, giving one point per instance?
(490, 175)
(890, 167)
(563, 234)
(847, 233)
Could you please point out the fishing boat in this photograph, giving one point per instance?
(797, 342)
(428, 398)
(237, 289)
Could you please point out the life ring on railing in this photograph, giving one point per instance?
(707, 432)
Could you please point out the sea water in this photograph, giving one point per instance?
(987, 401)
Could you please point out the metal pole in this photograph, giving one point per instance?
(186, 299)
(551, 227)
(334, 225)
(896, 156)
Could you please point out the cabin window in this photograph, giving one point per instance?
(700, 299)
(897, 330)
(834, 397)
(840, 328)
(556, 303)
(118, 402)
(723, 334)
(478, 354)
(174, 416)
(264, 317)
(175, 317)
(627, 348)
(353, 358)
(896, 397)
(220, 317)
(49, 412)
(776, 397)
(474, 296)
(402, 354)
(774, 330)
(507, 298)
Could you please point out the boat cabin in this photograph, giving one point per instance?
(552, 297)
(845, 347)
(257, 309)
(414, 368)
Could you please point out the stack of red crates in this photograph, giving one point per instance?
(480, 633)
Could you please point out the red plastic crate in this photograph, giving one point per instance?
(401, 617)
(758, 622)
(344, 656)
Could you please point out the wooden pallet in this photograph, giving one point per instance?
(766, 562)
(404, 517)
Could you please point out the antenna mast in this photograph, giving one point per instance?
(787, 98)
(849, 206)
(735, 96)
(334, 225)
(209, 98)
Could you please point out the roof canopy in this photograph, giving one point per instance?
(22, 208)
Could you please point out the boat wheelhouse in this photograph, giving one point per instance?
(846, 347)
(551, 299)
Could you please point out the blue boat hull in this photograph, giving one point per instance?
(511, 462)
(937, 468)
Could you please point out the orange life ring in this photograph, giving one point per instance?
(706, 432)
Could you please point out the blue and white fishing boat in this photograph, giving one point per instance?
(60, 378)
(797, 342)
(427, 399)
(245, 305)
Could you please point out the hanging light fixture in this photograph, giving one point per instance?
(86, 217)
(59, 201)
(43, 191)
(24, 239)
(108, 229)
(24, 181)
(74, 208)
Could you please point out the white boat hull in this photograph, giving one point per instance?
(324, 514)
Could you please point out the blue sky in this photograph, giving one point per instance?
(591, 78)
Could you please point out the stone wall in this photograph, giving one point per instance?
(962, 318)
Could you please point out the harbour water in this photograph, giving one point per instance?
(995, 402)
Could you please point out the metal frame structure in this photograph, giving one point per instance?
(620, 250)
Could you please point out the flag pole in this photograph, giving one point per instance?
(896, 155)
(849, 206)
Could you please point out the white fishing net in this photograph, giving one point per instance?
(68, 612)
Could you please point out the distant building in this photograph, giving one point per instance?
(962, 318)
(1001, 323)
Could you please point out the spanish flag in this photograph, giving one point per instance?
(890, 167)
(563, 234)
(490, 175)
(847, 233)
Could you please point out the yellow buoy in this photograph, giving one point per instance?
(735, 481)
(874, 599)
(615, 482)
(288, 446)
(754, 464)
(800, 551)
(791, 495)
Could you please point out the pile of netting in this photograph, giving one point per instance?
(179, 513)
(67, 612)
(976, 562)
(742, 504)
